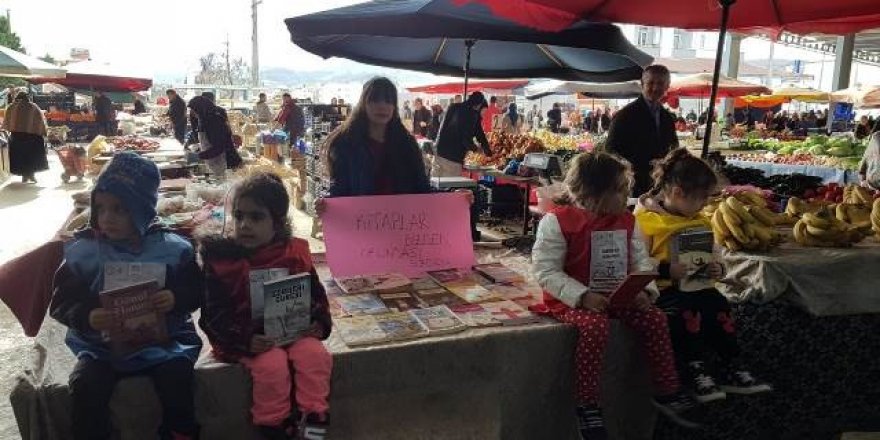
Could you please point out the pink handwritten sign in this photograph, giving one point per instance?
(407, 234)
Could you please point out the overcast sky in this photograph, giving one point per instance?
(164, 37)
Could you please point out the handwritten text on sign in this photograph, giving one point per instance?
(407, 234)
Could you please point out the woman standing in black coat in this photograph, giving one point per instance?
(27, 147)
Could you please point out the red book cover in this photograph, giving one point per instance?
(137, 324)
(634, 283)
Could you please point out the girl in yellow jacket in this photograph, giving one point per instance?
(680, 239)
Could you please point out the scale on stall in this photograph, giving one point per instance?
(547, 165)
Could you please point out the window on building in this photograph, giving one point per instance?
(655, 37)
(702, 41)
(643, 36)
(676, 41)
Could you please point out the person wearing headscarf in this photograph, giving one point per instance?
(27, 147)
(511, 122)
(216, 147)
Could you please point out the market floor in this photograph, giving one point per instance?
(29, 215)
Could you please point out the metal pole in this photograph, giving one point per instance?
(255, 45)
(722, 33)
(468, 44)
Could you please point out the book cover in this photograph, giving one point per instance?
(363, 304)
(424, 283)
(399, 326)
(287, 312)
(473, 293)
(439, 320)
(498, 273)
(136, 323)
(256, 279)
(474, 315)
(400, 301)
(385, 283)
(634, 283)
(448, 277)
(359, 330)
(439, 297)
(695, 250)
(609, 260)
(509, 313)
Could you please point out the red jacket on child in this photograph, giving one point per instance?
(226, 315)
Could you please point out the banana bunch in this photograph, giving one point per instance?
(739, 227)
(822, 229)
(756, 202)
(857, 215)
(875, 218)
(857, 195)
(797, 207)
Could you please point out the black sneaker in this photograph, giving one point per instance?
(314, 426)
(680, 408)
(740, 381)
(590, 423)
(280, 432)
(705, 389)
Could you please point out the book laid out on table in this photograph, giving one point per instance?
(424, 283)
(694, 248)
(363, 304)
(498, 273)
(136, 322)
(510, 313)
(474, 315)
(376, 329)
(439, 320)
(287, 308)
(449, 277)
(380, 283)
(400, 301)
(473, 293)
(627, 291)
(438, 297)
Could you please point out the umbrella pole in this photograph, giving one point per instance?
(722, 34)
(469, 44)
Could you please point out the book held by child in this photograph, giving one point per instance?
(137, 323)
(287, 310)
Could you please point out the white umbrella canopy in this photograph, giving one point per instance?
(859, 96)
(17, 64)
(618, 90)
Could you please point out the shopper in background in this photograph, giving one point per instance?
(460, 126)
(862, 128)
(554, 118)
(292, 120)
(139, 107)
(104, 114)
(534, 117)
(601, 122)
(456, 99)
(216, 147)
(512, 121)
(177, 114)
(407, 112)
(869, 169)
(27, 146)
(262, 111)
(436, 119)
(644, 131)
(490, 115)
(421, 117)
(123, 230)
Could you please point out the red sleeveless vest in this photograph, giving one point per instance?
(577, 225)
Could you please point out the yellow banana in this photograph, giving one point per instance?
(763, 234)
(841, 213)
(730, 216)
(755, 199)
(824, 234)
(732, 244)
(738, 233)
(762, 214)
(800, 231)
(719, 225)
(816, 221)
(740, 210)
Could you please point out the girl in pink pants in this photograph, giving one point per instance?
(260, 247)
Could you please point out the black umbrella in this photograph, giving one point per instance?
(439, 37)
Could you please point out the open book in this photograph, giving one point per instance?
(626, 292)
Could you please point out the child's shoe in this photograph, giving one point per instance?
(284, 431)
(705, 389)
(680, 408)
(741, 381)
(590, 423)
(314, 426)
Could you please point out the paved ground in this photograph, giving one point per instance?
(29, 214)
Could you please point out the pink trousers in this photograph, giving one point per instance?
(271, 373)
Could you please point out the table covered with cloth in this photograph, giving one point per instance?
(828, 174)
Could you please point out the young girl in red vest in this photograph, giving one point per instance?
(699, 315)
(261, 239)
(584, 248)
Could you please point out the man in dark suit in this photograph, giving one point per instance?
(644, 131)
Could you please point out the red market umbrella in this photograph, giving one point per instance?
(769, 16)
(700, 86)
(499, 87)
(90, 75)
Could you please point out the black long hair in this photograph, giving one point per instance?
(355, 130)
